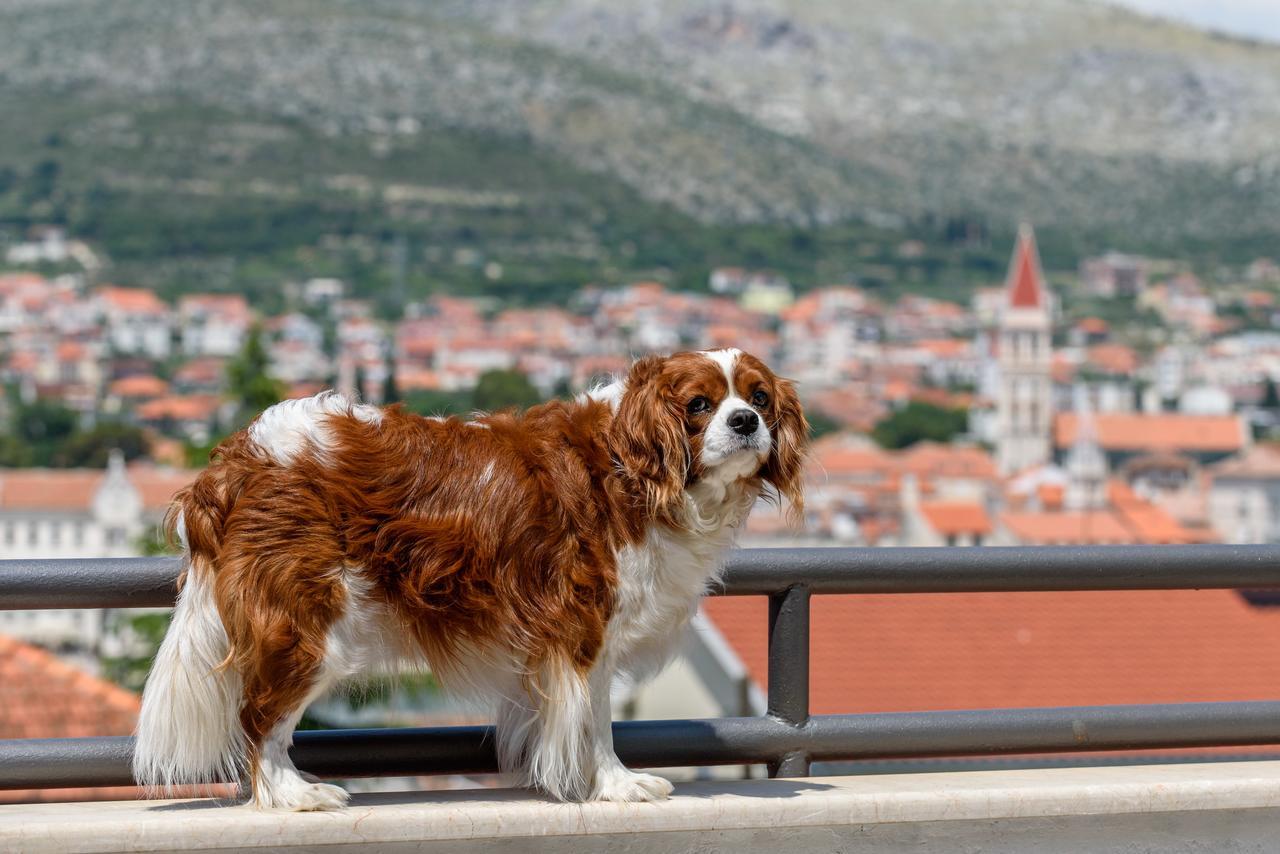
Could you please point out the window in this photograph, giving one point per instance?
(33, 533)
(115, 536)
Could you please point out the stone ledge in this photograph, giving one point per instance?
(1173, 807)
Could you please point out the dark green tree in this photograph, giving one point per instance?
(502, 389)
(919, 421)
(43, 426)
(247, 377)
(91, 448)
(1270, 395)
(360, 382)
(390, 392)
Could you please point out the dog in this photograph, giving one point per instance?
(526, 558)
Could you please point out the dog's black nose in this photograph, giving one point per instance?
(744, 422)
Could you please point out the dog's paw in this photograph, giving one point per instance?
(619, 784)
(305, 797)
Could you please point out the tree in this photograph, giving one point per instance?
(360, 381)
(390, 392)
(248, 379)
(919, 421)
(438, 403)
(42, 426)
(820, 424)
(1270, 395)
(91, 448)
(501, 389)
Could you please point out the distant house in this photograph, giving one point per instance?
(213, 324)
(70, 513)
(1204, 438)
(1244, 497)
(193, 416)
(1114, 275)
(137, 322)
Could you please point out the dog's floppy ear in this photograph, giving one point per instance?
(649, 437)
(785, 468)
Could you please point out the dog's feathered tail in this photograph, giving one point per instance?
(189, 730)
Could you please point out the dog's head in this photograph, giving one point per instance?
(716, 416)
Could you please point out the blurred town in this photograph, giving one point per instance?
(1131, 402)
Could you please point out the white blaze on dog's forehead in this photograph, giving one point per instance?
(726, 359)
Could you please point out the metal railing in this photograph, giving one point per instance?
(787, 738)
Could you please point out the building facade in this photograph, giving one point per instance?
(1024, 402)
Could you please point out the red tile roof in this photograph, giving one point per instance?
(192, 407)
(1164, 432)
(1084, 527)
(1025, 284)
(956, 517)
(140, 386)
(948, 651)
(1113, 359)
(42, 696)
(73, 489)
(132, 300)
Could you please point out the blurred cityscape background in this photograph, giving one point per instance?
(1023, 259)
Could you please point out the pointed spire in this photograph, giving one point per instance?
(1025, 286)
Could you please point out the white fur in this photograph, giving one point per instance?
(189, 729)
(730, 454)
(289, 428)
(610, 393)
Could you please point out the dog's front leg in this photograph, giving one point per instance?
(613, 781)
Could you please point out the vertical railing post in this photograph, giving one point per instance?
(789, 671)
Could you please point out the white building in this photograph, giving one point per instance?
(138, 323)
(1024, 402)
(78, 513)
(213, 324)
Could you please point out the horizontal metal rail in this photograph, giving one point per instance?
(787, 739)
(150, 582)
(335, 754)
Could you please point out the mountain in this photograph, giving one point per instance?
(521, 143)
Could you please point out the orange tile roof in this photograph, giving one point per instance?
(933, 458)
(1083, 527)
(1025, 284)
(73, 489)
(1259, 461)
(1002, 650)
(42, 696)
(956, 517)
(132, 300)
(48, 489)
(1164, 432)
(1051, 495)
(157, 485)
(192, 407)
(1113, 358)
(139, 386)
(945, 348)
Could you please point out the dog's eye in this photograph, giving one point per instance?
(699, 405)
(759, 399)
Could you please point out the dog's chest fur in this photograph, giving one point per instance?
(662, 578)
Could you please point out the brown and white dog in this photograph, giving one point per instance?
(526, 558)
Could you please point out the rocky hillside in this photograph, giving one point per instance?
(1100, 125)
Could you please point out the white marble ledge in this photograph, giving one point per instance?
(510, 820)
